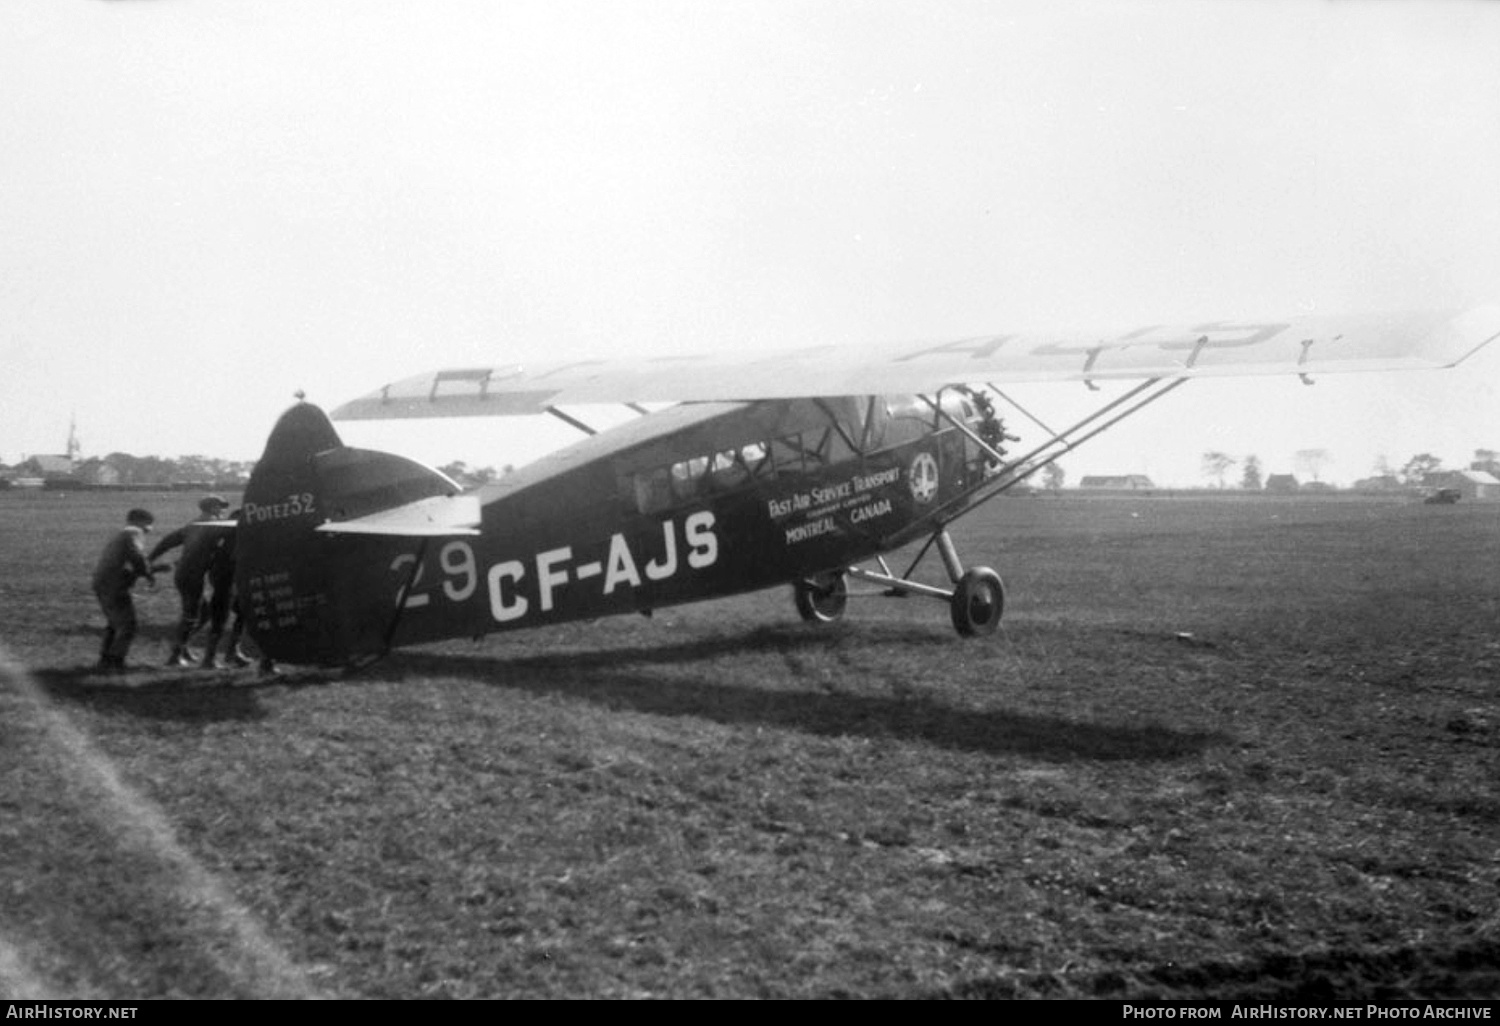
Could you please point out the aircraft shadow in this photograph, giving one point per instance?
(145, 634)
(169, 695)
(1442, 971)
(620, 679)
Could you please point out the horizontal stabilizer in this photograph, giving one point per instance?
(1294, 345)
(440, 516)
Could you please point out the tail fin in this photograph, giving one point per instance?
(309, 596)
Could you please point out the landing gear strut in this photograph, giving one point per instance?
(976, 600)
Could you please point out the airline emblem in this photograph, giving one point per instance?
(924, 477)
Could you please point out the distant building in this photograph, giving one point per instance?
(45, 467)
(1379, 483)
(1126, 481)
(1282, 483)
(1470, 484)
(98, 473)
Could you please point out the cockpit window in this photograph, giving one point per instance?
(909, 419)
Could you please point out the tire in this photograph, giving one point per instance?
(978, 602)
(822, 599)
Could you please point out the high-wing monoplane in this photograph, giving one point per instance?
(802, 467)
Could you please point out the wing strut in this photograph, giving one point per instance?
(1060, 443)
(1013, 472)
(976, 597)
(1023, 410)
(571, 420)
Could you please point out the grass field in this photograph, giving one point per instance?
(1218, 749)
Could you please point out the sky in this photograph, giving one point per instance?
(209, 205)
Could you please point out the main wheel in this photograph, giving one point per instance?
(822, 599)
(978, 602)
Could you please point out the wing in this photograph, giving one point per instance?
(1314, 345)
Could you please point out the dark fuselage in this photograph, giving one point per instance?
(696, 501)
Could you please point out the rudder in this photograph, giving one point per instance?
(311, 597)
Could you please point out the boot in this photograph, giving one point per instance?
(180, 655)
(237, 656)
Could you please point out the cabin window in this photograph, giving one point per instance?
(653, 490)
(726, 470)
(825, 447)
(838, 447)
(812, 450)
(757, 459)
(732, 468)
(786, 454)
(815, 448)
(846, 428)
(687, 477)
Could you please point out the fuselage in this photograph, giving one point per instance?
(697, 501)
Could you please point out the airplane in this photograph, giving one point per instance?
(802, 467)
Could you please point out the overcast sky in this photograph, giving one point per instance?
(208, 205)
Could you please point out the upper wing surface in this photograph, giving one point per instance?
(1310, 345)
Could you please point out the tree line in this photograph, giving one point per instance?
(1310, 463)
(126, 470)
(122, 469)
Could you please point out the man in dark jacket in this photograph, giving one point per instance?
(225, 599)
(200, 541)
(122, 562)
(222, 601)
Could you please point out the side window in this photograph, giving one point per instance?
(757, 460)
(786, 454)
(687, 477)
(815, 448)
(838, 449)
(664, 487)
(726, 471)
(826, 447)
(732, 468)
(653, 490)
(839, 442)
